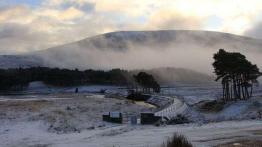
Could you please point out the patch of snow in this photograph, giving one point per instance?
(32, 133)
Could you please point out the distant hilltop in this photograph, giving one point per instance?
(140, 50)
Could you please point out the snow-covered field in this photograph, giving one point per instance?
(61, 118)
(33, 134)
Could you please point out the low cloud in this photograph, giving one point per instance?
(67, 14)
(255, 31)
(19, 38)
(17, 14)
(170, 19)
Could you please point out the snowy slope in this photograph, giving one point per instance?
(16, 61)
(150, 49)
(182, 49)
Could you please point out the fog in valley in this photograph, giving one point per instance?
(146, 50)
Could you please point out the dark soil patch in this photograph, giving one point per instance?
(210, 106)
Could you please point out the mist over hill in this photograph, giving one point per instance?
(150, 49)
(170, 76)
(131, 50)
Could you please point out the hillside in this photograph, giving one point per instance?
(149, 49)
(141, 50)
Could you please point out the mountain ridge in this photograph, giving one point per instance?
(151, 31)
(150, 49)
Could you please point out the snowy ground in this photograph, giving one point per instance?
(65, 119)
(33, 134)
(65, 113)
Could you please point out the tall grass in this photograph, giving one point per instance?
(177, 141)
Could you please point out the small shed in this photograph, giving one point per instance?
(114, 117)
(149, 118)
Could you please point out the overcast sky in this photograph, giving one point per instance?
(27, 25)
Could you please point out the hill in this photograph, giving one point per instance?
(141, 50)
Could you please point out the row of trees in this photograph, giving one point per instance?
(18, 79)
(237, 75)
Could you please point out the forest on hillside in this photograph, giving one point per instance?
(17, 79)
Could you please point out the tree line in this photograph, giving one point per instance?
(237, 75)
(19, 78)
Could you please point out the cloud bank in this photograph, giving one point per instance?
(34, 25)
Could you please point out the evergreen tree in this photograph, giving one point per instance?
(237, 74)
(147, 82)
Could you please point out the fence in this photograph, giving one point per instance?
(177, 107)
